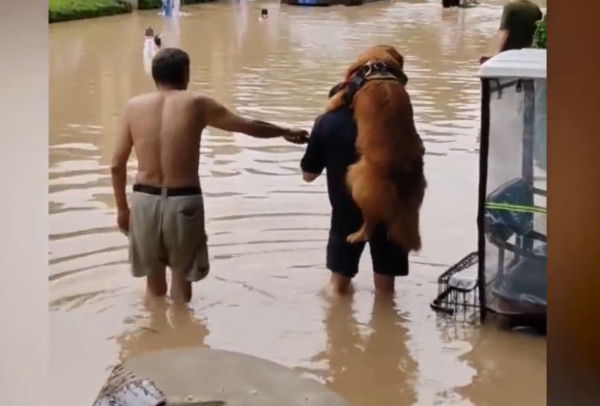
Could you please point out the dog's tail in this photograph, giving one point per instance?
(403, 229)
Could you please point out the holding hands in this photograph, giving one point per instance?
(296, 136)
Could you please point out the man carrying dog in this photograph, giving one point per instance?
(165, 224)
(331, 146)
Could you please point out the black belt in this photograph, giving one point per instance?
(173, 191)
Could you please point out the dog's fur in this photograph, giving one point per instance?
(387, 183)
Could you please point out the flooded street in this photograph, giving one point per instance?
(267, 229)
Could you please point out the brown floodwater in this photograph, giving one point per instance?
(267, 228)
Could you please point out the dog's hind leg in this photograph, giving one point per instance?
(362, 235)
(366, 194)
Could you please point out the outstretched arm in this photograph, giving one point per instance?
(218, 116)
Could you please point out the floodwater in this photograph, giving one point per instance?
(267, 229)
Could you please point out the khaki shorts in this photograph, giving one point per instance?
(168, 231)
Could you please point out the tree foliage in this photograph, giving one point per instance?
(539, 37)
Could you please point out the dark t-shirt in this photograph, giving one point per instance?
(332, 147)
(519, 19)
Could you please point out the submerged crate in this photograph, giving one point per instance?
(458, 288)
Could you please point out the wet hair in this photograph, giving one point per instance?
(171, 67)
(149, 32)
(157, 41)
(264, 12)
(334, 90)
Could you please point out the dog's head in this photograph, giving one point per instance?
(385, 55)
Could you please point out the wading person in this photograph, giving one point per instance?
(331, 146)
(149, 48)
(149, 33)
(165, 224)
(518, 24)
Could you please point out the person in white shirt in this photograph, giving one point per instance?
(152, 44)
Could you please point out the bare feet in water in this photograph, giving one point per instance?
(338, 286)
(331, 291)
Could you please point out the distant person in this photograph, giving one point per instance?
(450, 3)
(167, 7)
(459, 3)
(165, 225)
(157, 42)
(332, 147)
(149, 49)
(150, 46)
(264, 14)
(518, 24)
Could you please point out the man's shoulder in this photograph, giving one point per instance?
(333, 125)
(153, 95)
(146, 99)
(140, 98)
(337, 116)
(191, 96)
(522, 6)
(135, 104)
(202, 101)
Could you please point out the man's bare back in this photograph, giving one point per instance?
(164, 128)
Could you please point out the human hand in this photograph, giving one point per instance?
(123, 221)
(296, 136)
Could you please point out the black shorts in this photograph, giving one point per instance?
(388, 258)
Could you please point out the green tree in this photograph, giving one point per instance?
(539, 37)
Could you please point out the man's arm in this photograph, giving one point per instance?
(313, 161)
(504, 27)
(119, 163)
(218, 116)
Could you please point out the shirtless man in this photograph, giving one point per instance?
(165, 225)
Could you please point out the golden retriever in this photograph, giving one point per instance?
(387, 182)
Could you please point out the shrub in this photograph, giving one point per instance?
(149, 4)
(66, 10)
(539, 38)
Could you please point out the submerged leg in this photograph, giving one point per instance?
(339, 285)
(384, 285)
(181, 288)
(156, 285)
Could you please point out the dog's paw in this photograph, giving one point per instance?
(356, 237)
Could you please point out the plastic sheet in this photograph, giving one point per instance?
(515, 205)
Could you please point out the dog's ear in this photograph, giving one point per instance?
(394, 54)
(359, 63)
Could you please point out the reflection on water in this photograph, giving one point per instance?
(162, 327)
(363, 358)
(267, 229)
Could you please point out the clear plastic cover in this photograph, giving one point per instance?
(515, 207)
